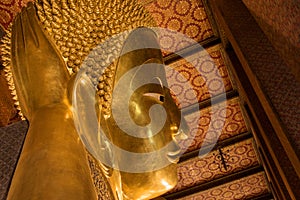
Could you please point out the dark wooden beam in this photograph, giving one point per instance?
(267, 196)
(208, 102)
(264, 132)
(271, 134)
(269, 165)
(209, 42)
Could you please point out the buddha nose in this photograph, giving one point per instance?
(179, 133)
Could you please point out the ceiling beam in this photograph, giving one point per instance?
(190, 50)
(208, 102)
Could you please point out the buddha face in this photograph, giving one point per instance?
(145, 124)
(136, 144)
(146, 165)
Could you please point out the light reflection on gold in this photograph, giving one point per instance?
(148, 184)
(53, 164)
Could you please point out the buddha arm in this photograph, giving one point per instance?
(53, 163)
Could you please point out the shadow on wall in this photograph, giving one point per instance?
(279, 20)
(1, 35)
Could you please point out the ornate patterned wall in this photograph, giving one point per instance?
(9, 9)
(185, 16)
(189, 17)
(7, 109)
(205, 76)
(244, 188)
(233, 124)
(11, 140)
(198, 170)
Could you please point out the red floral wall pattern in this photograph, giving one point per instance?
(204, 76)
(228, 114)
(244, 188)
(185, 16)
(9, 9)
(198, 170)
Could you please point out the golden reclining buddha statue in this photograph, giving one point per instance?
(80, 92)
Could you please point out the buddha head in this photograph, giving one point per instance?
(136, 126)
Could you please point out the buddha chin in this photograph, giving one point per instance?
(152, 185)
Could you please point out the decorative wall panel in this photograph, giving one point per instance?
(9, 9)
(225, 120)
(11, 140)
(203, 77)
(244, 188)
(185, 16)
(198, 170)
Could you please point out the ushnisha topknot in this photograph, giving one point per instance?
(77, 26)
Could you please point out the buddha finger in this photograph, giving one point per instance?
(38, 69)
(19, 62)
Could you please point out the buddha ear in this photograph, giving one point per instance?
(87, 122)
(84, 111)
(107, 155)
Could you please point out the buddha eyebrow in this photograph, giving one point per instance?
(159, 80)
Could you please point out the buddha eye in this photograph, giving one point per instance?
(157, 96)
(161, 98)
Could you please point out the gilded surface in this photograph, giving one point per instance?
(51, 137)
(39, 74)
(103, 190)
(73, 27)
(78, 26)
